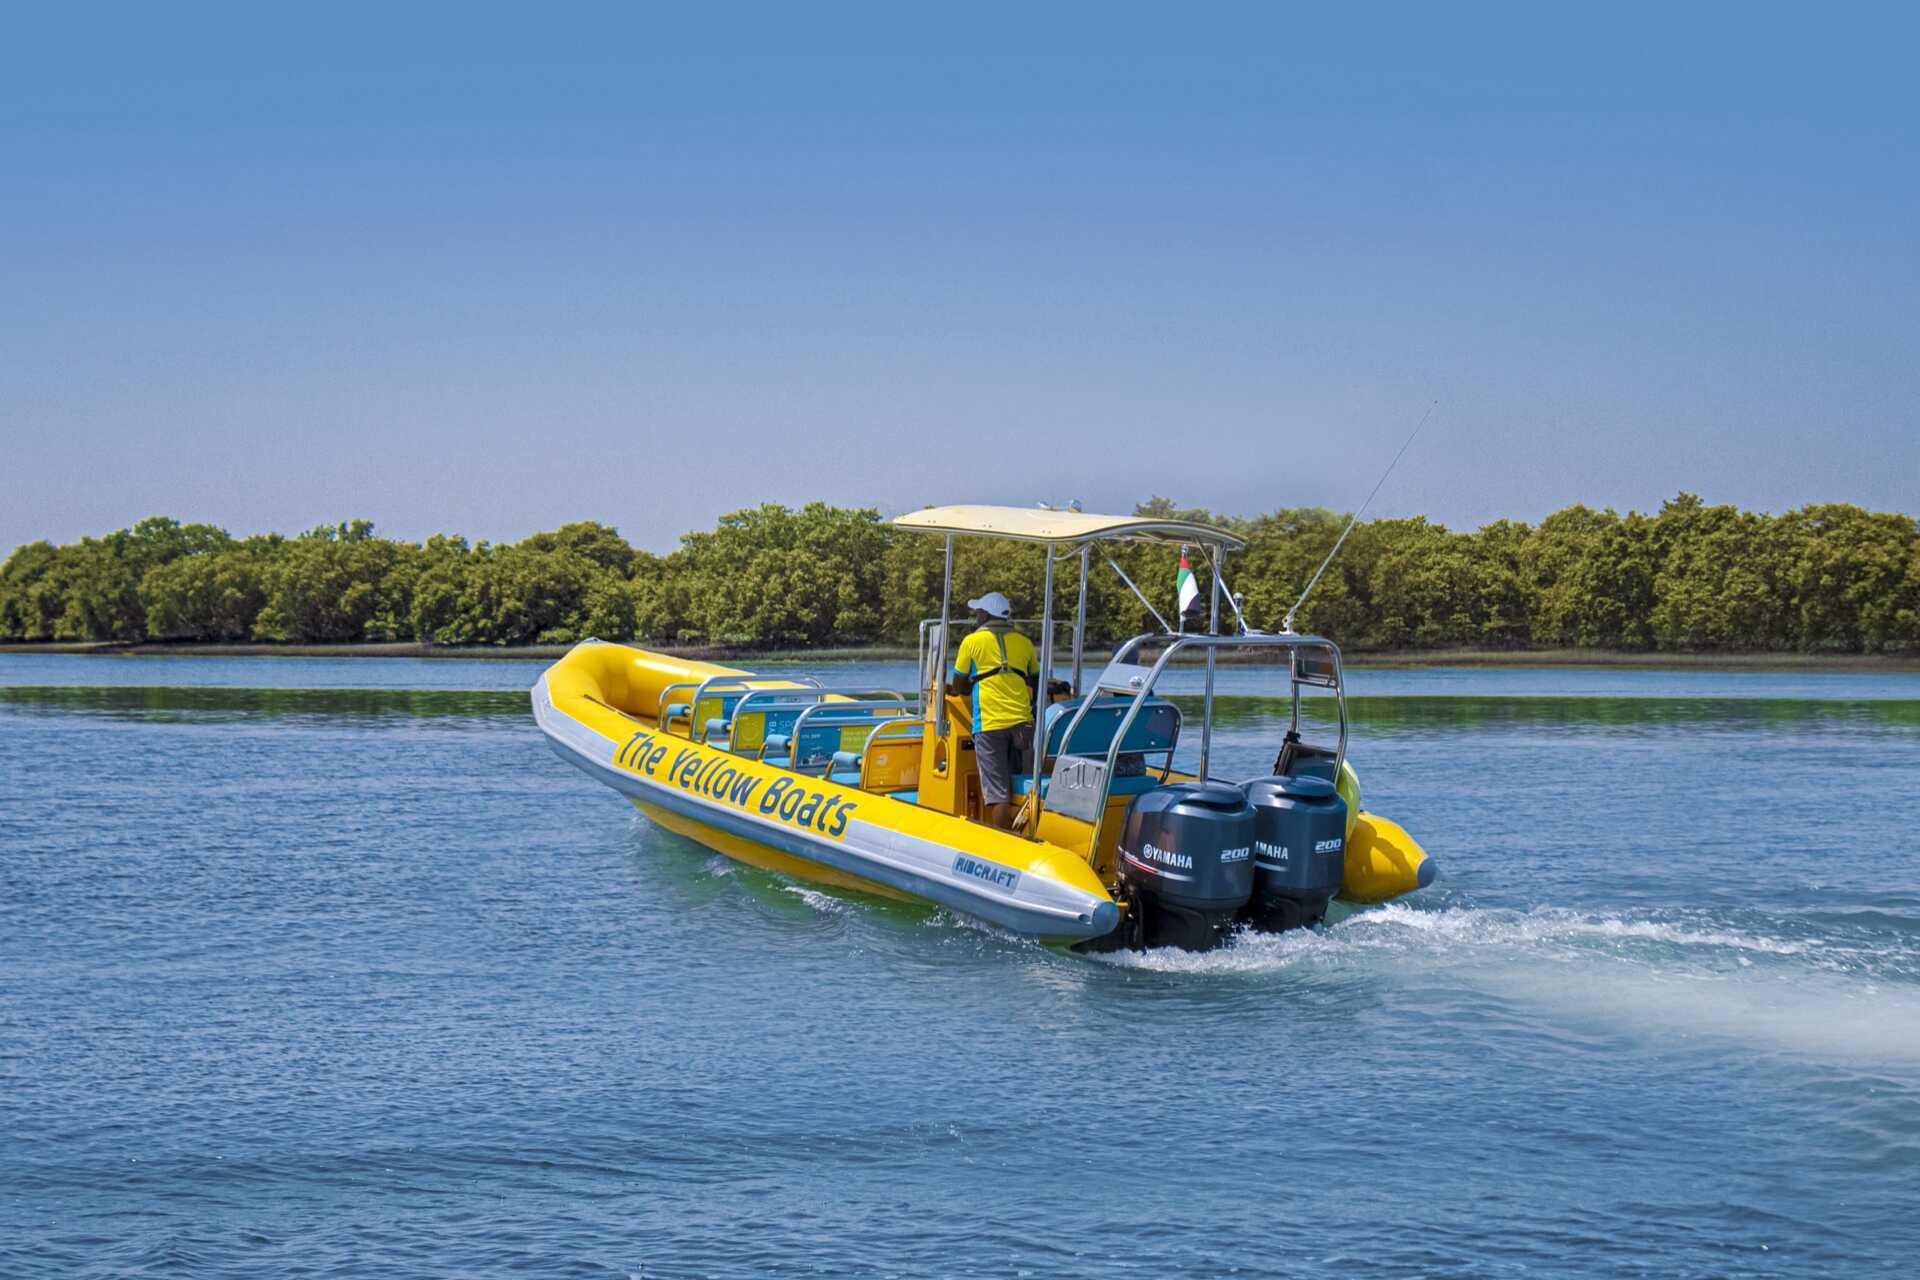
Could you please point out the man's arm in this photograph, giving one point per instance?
(960, 679)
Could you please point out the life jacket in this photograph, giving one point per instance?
(1006, 667)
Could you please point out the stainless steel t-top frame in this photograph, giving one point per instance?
(1299, 673)
(1060, 531)
(1125, 677)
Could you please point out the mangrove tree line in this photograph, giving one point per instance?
(1691, 577)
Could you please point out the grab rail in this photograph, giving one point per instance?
(814, 698)
(880, 729)
(772, 698)
(793, 750)
(1142, 686)
(703, 687)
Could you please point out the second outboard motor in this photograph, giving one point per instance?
(1299, 850)
(1186, 857)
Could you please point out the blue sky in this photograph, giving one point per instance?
(487, 269)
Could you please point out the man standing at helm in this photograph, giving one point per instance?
(999, 667)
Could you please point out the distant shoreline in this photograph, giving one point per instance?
(897, 653)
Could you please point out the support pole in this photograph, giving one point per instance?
(1213, 629)
(1144, 602)
(939, 690)
(1080, 619)
(1040, 695)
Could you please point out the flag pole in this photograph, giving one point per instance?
(1179, 605)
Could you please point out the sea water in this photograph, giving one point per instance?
(331, 967)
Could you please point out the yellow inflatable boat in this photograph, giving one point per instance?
(878, 789)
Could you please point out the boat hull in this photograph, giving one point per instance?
(817, 829)
(758, 855)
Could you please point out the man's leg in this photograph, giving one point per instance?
(992, 756)
(1016, 744)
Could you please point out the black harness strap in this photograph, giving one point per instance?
(1006, 666)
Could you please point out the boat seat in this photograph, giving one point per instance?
(818, 744)
(909, 797)
(892, 758)
(715, 706)
(772, 725)
(713, 714)
(831, 739)
(1154, 731)
(896, 760)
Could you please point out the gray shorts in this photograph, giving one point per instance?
(999, 753)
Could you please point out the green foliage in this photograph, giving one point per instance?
(589, 539)
(1850, 573)
(338, 585)
(1829, 577)
(1720, 581)
(659, 591)
(770, 576)
(1591, 574)
(506, 595)
(101, 589)
(90, 590)
(32, 592)
(213, 596)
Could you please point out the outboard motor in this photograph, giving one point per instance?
(1299, 850)
(1186, 857)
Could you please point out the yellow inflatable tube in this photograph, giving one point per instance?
(632, 680)
(1383, 861)
(597, 707)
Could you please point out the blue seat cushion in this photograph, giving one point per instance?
(1155, 729)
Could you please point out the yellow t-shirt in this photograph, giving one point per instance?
(1004, 700)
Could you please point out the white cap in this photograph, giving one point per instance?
(994, 603)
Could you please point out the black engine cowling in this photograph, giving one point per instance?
(1299, 850)
(1186, 857)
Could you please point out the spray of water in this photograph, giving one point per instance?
(1696, 979)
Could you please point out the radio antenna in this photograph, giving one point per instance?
(1286, 623)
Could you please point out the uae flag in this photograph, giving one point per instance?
(1189, 589)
